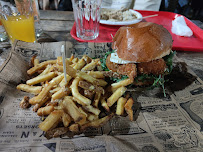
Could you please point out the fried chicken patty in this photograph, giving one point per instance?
(155, 67)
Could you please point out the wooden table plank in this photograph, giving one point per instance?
(56, 15)
(55, 25)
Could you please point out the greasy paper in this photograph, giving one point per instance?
(174, 123)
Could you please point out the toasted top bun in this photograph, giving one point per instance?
(142, 42)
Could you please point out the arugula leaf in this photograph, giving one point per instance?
(169, 61)
(103, 60)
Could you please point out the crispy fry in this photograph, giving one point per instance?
(96, 99)
(91, 109)
(61, 93)
(40, 66)
(71, 71)
(74, 128)
(57, 80)
(78, 101)
(76, 94)
(71, 58)
(73, 110)
(75, 60)
(89, 94)
(48, 69)
(128, 108)
(97, 123)
(45, 91)
(104, 104)
(96, 74)
(66, 119)
(45, 110)
(91, 79)
(88, 86)
(50, 121)
(36, 62)
(54, 90)
(60, 61)
(41, 78)
(92, 117)
(120, 106)
(87, 59)
(115, 96)
(32, 60)
(122, 83)
(90, 66)
(56, 132)
(58, 68)
(63, 82)
(25, 102)
(83, 112)
(31, 89)
(80, 64)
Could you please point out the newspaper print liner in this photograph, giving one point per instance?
(163, 124)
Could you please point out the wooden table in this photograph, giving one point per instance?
(57, 24)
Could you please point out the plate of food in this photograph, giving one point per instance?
(119, 17)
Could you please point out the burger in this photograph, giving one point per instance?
(141, 52)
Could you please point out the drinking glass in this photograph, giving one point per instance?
(19, 22)
(87, 17)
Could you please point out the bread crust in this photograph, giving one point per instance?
(142, 42)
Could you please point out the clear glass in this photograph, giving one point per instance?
(19, 22)
(87, 17)
(36, 13)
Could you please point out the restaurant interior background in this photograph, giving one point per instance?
(192, 9)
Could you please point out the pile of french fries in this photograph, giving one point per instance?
(77, 104)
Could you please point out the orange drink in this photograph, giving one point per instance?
(20, 27)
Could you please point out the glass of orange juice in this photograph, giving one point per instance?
(19, 22)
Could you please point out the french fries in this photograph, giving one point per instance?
(91, 109)
(31, 89)
(120, 106)
(80, 64)
(53, 118)
(96, 123)
(45, 110)
(66, 119)
(73, 110)
(75, 105)
(122, 83)
(96, 74)
(41, 78)
(40, 66)
(115, 96)
(76, 94)
(128, 108)
(90, 66)
(91, 87)
(96, 99)
(104, 104)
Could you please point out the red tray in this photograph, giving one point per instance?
(193, 43)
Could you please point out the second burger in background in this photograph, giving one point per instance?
(141, 52)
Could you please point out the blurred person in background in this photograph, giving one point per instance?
(152, 5)
(66, 5)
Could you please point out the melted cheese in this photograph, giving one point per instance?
(115, 59)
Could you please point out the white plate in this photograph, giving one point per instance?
(139, 18)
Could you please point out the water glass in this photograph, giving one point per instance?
(19, 22)
(87, 17)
